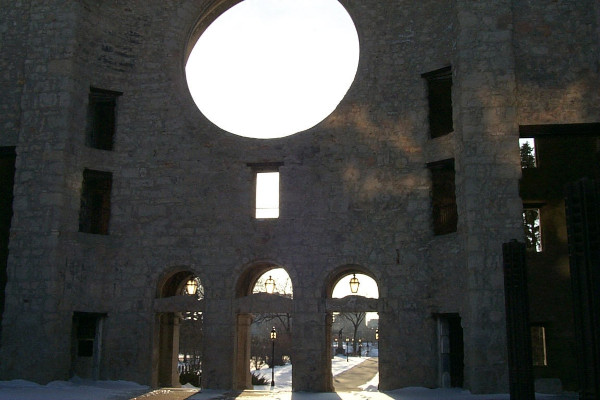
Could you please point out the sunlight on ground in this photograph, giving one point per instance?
(271, 68)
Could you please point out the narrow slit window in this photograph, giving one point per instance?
(538, 346)
(443, 197)
(94, 213)
(439, 96)
(267, 194)
(532, 229)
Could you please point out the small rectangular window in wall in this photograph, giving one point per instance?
(439, 95)
(94, 214)
(267, 194)
(445, 216)
(528, 159)
(532, 228)
(101, 119)
(538, 346)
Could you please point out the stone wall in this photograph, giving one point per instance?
(355, 189)
(556, 54)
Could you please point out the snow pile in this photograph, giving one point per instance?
(75, 389)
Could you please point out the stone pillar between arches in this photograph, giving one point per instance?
(311, 355)
(218, 346)
(242, 377)
(168, 375)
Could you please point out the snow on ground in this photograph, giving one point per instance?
(81, 389)
(75, 389)
(283, 375)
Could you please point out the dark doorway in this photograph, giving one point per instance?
(86, 346)
(451, 350)
(7, 177)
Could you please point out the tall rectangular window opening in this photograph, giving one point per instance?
(439, 96)
(527, 149)
(443, 197)
(86, 347)
(94, 213)
(267, 194)
(538, 346)
(101, 118)
(532, 228)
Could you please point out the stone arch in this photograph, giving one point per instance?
(341, 271)
(348, 303)
(209, 13)
(169, 303)
(248, 275)
(246, 304)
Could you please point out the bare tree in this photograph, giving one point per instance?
(282, 321)
(356, 319)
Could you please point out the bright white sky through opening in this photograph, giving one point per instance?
(267, 195)
(271, 68)
(367, 288)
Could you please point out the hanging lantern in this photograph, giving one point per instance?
(354, 283)
(270, 285)
(191, 286)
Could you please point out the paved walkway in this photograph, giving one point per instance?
(168, 394)
(350, 380)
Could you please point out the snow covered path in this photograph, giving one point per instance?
(80, 389)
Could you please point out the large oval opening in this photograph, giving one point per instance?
(272, 68)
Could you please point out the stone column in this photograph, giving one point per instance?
(169, 348)
(487, 174)
(218, 349)
(36, 318)
(242, 378)
(310, 356)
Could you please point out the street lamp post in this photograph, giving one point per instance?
(273, 337)
(335, 345)
(347, 342)
(360, 347)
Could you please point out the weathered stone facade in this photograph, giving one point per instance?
(355, 189)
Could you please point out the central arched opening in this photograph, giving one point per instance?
(353, 333)
(263, 356)
(272, 68)
(271, 335)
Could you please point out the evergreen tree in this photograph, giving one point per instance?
(527, 156)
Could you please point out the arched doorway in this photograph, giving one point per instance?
(353, 331)
(263, 294)
(179, 299)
